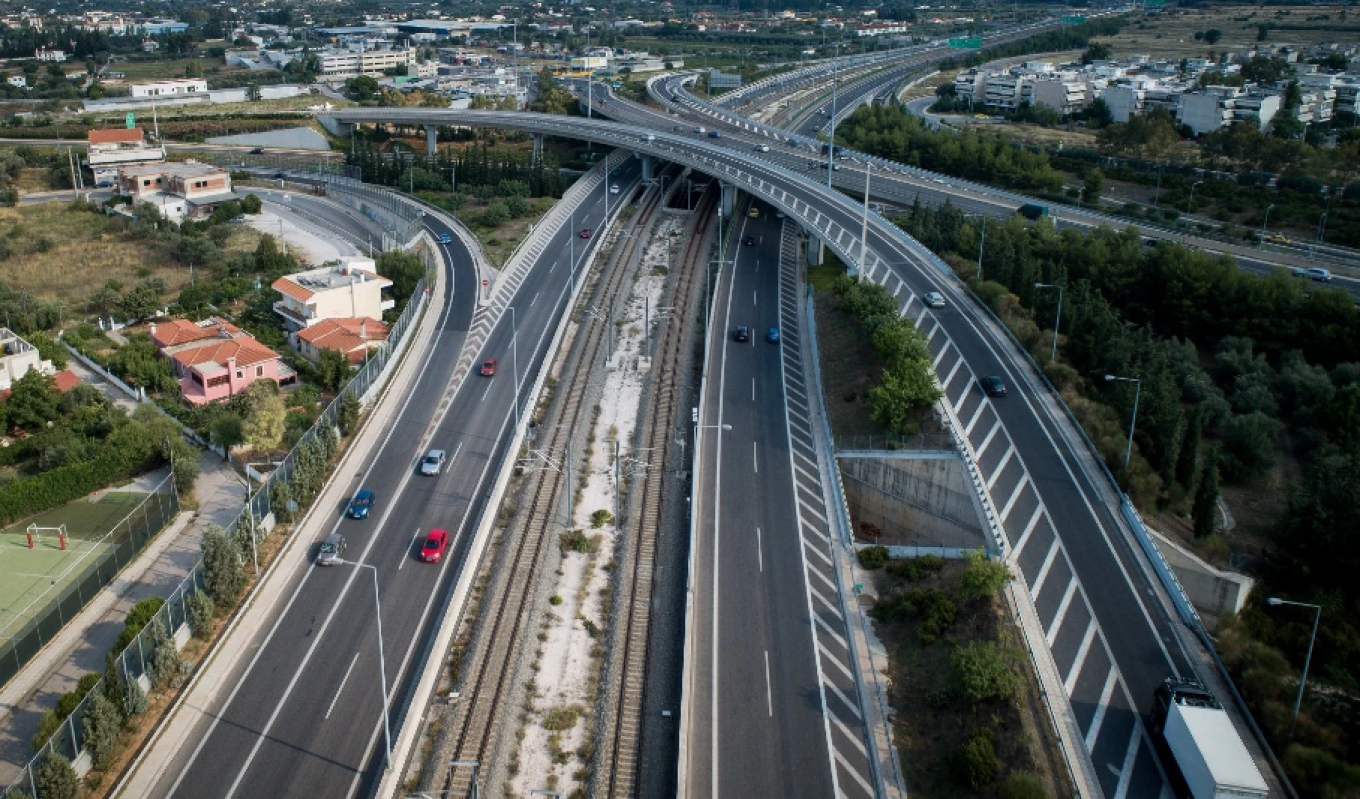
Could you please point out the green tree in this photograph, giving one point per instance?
(1248, 446)
(362, 89)
(223, 568)
(405, 271)
(348, 413)
(56, 779)
(1147, 135)
(1093, 181)
(263, 424)
(136, 699)
(1188, 457)
(164, 660)
(1205, 507)
(33, 401)
(1022, 785)
(982, 577)
(227, 430)
(333, 369)
(1096, 51)
(270, 260)
(251, 204)
(975, 764)
(201, 614)
(113, 684)
(907, 384)
(1212, 36)
(101, 724)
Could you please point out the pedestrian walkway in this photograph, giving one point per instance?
(81, 645)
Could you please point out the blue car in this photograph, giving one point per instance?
(360, 505)
(445, 238)
(772, 335)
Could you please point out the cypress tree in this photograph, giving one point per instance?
(1205, 511)
(1185, 462)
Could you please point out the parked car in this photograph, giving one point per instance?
(742, 333)
(585, 232)
(489, 368)
(933, 299)
(432, 551)
(331, 549)
(1314, 273)
(361, 504)
(772, 335)
(994, 386)
(433, 463)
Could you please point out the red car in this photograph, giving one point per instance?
(433, 548)
(489, 368)
(585, 232)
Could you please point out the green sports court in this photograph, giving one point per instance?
(31, 580)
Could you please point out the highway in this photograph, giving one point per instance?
(1104, 619)
(304, 715)
(761, 725)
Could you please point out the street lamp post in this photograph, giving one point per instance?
(831, 145)
(1191, 207)
(1322, 226)
(1138, 390)
(1057, 319)
(1265, 222)
(982, 240)
(1317, 616)
(382, 660)
(864, 222)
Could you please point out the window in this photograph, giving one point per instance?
(259, 371)
(220, 380)
(240, 374)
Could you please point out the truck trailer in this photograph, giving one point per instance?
(1205, 747)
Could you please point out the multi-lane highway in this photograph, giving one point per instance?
(1055, 517)
(303, 715)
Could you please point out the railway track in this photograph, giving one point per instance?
(619, 755)
(491, 666)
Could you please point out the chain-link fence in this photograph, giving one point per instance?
(279, 161)
(916, 443)
(96, 561)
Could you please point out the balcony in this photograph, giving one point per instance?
(292, 315)
(387, 305)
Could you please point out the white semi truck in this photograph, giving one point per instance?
(1200, 737)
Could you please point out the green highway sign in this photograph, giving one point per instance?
(1076, 20)
(1154, 4)
(972, 42)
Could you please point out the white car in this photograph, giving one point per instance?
(933, 299)
(762, 148)
(649, 138)
(1314, 273)
(433, 463)
(614, 189)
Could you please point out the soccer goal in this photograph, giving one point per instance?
(52, 535)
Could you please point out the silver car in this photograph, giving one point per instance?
(331, 550)
(433, 462)
(933, 299)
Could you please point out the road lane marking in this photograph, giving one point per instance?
(1043, 570)
(769, 693)
(753, 389)
(484, 393)
(1126, 771)
(760, 555)
(406, 555)
(1080, 659)
(755, 458)
(1104, 704)
(341, 689)
(1062, 612)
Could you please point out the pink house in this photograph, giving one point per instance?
(215, 360)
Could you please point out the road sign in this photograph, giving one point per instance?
(485, 282)
(969, 43)
(131, 122)
(1074, 20)
(1154, 4)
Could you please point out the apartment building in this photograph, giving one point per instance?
(1066, 93)
(349, 63)
(1034, 82)
(112, 149)
(169, 88)
(1213, 107)
(180, 190)
(348, 289)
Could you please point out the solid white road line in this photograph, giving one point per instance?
(405, 556)
(484, 393)
(1126, 770)
(1101, 707)
(1080, 659)
(1029, 528)
(769, 692)
(755, 457)
(760, 555)
(1043, 570)
(1062, 612)
(341, 689)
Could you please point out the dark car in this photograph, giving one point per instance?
(749, 241)
(433, 548)
(257, 151)
(361, 504)
(994, 386)
(772, 335)
(585, 232)
(742, 333)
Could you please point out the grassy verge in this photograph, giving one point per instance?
(500, 241)
(939, 725)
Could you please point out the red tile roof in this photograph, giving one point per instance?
(182, 331)
(66, 380)
(245, 350)
(345, 335)
(285, 286)
(116, 135)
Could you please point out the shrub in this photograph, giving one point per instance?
(600, 518)
(576, 541)
(1022, 785)
(975, 763)
(872, 558)
(101, 724)
(560, 719)
(983, 577)
(141, 613)
(913, 569)
(983, 670)
(163, 664)
(67, 703)
(200, 614)
(223, 572)
(136, 698)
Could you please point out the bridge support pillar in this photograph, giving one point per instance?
(538, 147)
(815, 249)
(648, 166)
(729, 197)
(431, 139)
